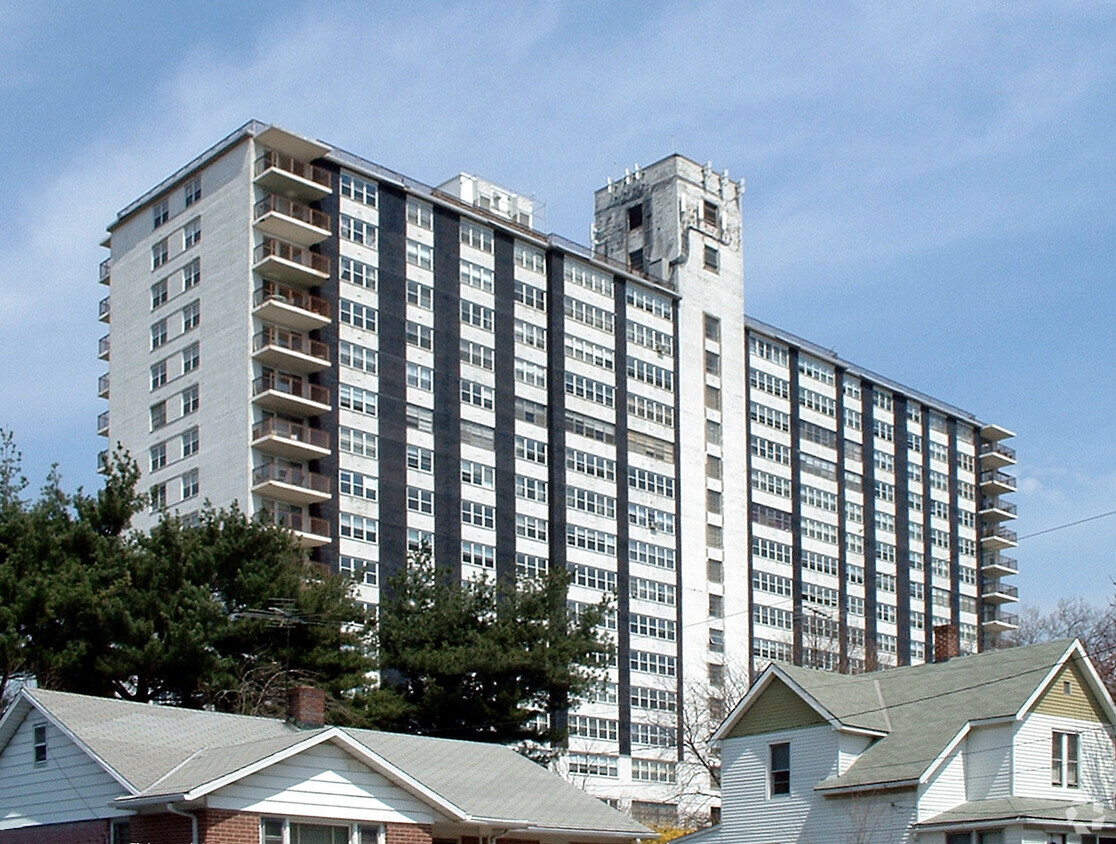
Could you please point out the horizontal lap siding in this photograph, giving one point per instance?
(68, 787)
(1032, 748)
(323, 782)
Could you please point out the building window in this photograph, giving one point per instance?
(712, 260)
(420, 500)
(158, 293)
(635, 216)
(421, 295)
(635, 260)
(158, 415)
(158, 375)
(190, 358)
(1063, 759)
(190, 484)
(420, 254)
(190, 442)
(192, 191)
(160, 213)
(191, 316)
(160, 253)
(40, 744)
(780, 768)
(709, 212)
(191, 233)
(158, 334)
(190, 400)
(191, 274)
(420, 213)
(158, 495)
(158, 456)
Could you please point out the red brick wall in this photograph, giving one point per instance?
(219, 826)
(408, 833)
(161, 828)
(83, 832)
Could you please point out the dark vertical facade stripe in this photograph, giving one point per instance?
(393, 382)
(556, 450)
(842, 530)
(927, 557)
(330, 378)
(902, 535)
(799, 619)
(975, 437)
(623, 589)
(447, 392)
(504, 289)
(868, 415)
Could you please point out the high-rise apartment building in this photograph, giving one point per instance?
(379, 365)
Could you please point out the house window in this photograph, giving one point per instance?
(40, 744)
(121, 832)
(273, 830)
(780, 768)
(1063, 759)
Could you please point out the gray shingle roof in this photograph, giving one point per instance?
(922, 708)
(167, 751)
(1018, 809)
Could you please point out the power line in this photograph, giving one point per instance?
(1068, 524)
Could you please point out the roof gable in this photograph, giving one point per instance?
(776, 707)
(1072, 693)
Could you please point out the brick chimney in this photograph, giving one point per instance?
(947, 642)
(306, 707)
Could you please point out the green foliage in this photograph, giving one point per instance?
(481, 660)
(223, 612)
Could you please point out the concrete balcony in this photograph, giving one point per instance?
(292, 221)
(289, 350)
(993, 482)
(294, 485)
(290, 307)
(993, 564)
(286, 175)
(104, 271)
(311, 532)
(996, 510)
(997, 621)
(995, 592)
(995, 537)
(290, 263)
(103, 386)
(994, 455)
(104, 310)
(102, 462)
(995, 433)
(291, 394)
(290, 440)
(104, 348)
(103, 423)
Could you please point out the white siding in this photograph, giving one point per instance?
(1032, 759)
(69, 786)
(323, 782)
(850, 746)
(988, 762)
(945, 789)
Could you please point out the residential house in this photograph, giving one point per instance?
(84, 770)
(1004, 747)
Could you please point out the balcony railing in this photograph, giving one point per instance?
(103, 310)
(291, 386)
(103, 386)
(998, 504)
(1000, 561)
(997, 448)
(272, 160)
(291, 431)
(292, 476)
(292, 341)
(994, 476)
(990, 586)
(103, 349)
(994, 613)
(998, 532)
(273, 203)
(300, 523)
(104, 271)
(281, 293)
(103, 423)
(291, 253)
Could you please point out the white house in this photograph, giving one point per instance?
(83, 770)
(1005, 747)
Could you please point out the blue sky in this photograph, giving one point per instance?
(931, 188)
